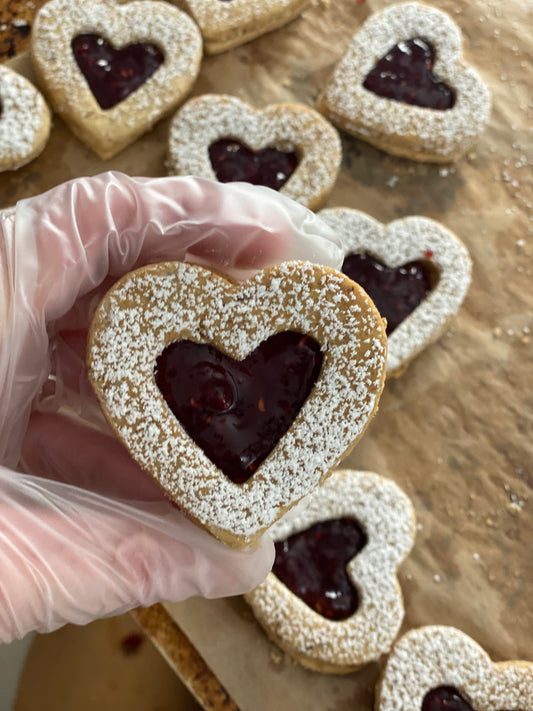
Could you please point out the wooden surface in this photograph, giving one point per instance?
(455, 430)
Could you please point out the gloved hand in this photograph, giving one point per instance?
(84, 533)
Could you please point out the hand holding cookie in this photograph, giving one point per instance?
(85, 521)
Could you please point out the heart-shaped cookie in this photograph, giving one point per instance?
(111, 71)
(434, 668)
(151, 309)
(24, 120)
(227, 23)
(288, 147)
(417, 272)
(333, 601)
(403, 86)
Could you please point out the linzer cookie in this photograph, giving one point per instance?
(238, 399)
(403, 86)
(287, 147)
(435, 668)
(332, 600)
(24, 120)
(227, 23)
(111, 71)
(415, 270)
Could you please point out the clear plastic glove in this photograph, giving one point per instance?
(84, 533)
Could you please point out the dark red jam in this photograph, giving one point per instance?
(236, 411)
(396, 291)
(405, 74)
(114, 74)
(232, 161)
(131, 643)
(313, 563)
(445, 698)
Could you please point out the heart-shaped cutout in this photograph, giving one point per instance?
(413, 129)
(158, 305)
(313, 565)
(24, 120)
(405, 74)
(431, 247)
(434, 668)
(311, 145)
(445, 698)
(396, 291)
(270, 167)
(237, 410)
(358, 511)
(114, 74)
(228, 23)
(58, 51)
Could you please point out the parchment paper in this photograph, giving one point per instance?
(455, 430)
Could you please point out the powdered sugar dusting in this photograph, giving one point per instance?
(435, 656)
(160, 304)
(226, 24)
(400, 242)
(364, 113)
(387, 517)
(288, 127)
(59, 21)
(24, 120)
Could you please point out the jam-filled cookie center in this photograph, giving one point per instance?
(405, 74)
(396, 291)
(113, 74)
(237, 411)
(445, 698)
(232, 161)
(312, 563)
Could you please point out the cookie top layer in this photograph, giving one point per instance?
(366, 113)
(226, 24)
(386, 516)
(400, 242)
(288, 127)
(24, 120)
(161, 304)
(434, 656)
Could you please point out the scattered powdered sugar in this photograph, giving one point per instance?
(24, 120)
(434, 656)
(386, 515)
(287, 127)
(157, 305)
(172, 30)
(358, 110)
(399, 242)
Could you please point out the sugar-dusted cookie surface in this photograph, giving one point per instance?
(24, 120)
(332, 343)
(435, 667)
(228, 23)
(288, 147)
(415, 270)
(111, 71)
(411, 52)
(353, 606)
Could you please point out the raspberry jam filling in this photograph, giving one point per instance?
(114, 74)
(396, 291)
(313, 563)
(237, 411)
(232, 161)
(405, 74)
(445, 698)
